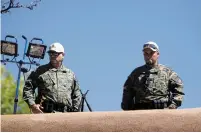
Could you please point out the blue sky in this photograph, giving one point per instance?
(103, 41)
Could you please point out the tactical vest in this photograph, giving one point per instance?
(151, 84)
(56, 85)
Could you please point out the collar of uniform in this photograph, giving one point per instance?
(61, 68)
(152, 69)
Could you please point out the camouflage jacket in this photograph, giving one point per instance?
(147, 84)
(56, 85)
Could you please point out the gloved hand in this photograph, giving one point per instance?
(172, 106)
(36, 109)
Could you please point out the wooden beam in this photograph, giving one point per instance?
(183, 120)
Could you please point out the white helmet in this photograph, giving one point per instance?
(57, 47)
(151, 45)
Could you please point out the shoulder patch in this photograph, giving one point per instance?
(176, 79)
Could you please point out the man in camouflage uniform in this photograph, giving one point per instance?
(152, 86)
(58, 89)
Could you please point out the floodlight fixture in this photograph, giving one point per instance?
(36, 50)
(9, 48)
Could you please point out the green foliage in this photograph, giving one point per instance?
(8, 88)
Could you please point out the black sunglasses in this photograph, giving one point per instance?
(51, 53)
(149, 46)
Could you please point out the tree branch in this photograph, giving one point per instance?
(12, 4)
(9, 6)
